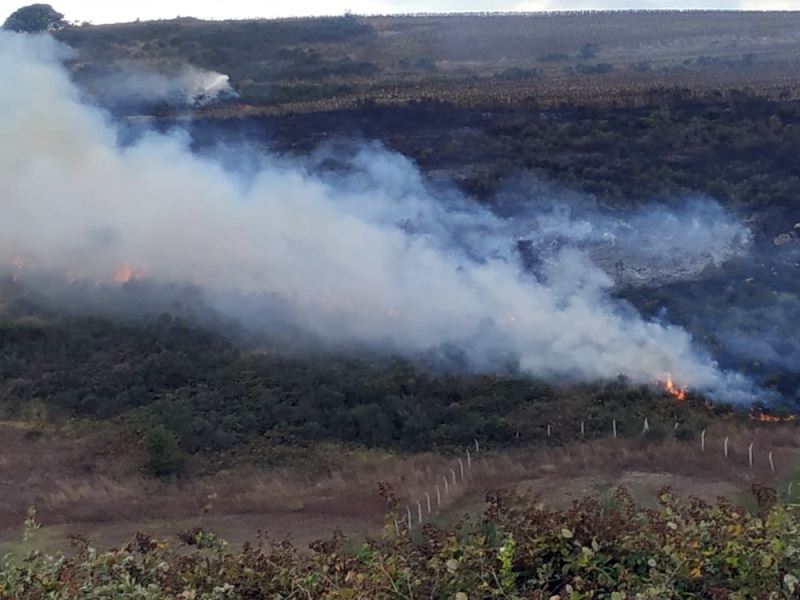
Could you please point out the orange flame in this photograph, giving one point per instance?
(677, 392)
(760, 416)
(127, 273)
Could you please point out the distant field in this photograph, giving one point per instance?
(316, 64)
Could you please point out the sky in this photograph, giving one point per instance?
(113, 11)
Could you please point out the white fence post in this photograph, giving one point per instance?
(771, 463)
(789, 491)
(703, 441)
(428, 500)
(453, 473)
(614, 427)
(461, 468)
(469, 460)
(750, 454)
(438, 497)
(725, 447)
(419, 511)
(583, 429)
(446, 487)
(477, 446)
(408, 510)
(646, 427)
(548, 431)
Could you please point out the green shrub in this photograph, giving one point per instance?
(680, 550)
(163, 456)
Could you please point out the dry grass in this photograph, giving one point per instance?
(561, 474)
(74, 477)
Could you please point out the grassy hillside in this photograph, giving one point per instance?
(587, 58)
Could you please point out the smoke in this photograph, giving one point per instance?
(134, 85)
(365, 253)
(652, 244)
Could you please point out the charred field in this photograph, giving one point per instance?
(390, 240)
(603, 163)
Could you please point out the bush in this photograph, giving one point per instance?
(519, 550)
(163, 456)
(214, 396)
(598, 69)
(587, 51)
(517, 74)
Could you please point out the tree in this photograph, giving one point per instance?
(163, 457)
(587, 51)
(34, 18)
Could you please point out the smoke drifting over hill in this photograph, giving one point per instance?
(367, 254)
(135, 85)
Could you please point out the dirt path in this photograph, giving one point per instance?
(303, 527)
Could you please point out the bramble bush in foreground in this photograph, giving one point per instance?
(614, 550)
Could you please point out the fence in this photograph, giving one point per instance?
(423, 508)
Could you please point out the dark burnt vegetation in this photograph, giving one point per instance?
(678, 103)
(745, 327)
(735, 147)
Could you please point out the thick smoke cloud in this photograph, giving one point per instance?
(366, 254)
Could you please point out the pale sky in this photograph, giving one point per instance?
(110, 11)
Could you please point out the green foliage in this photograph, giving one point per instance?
(34, 18)
(681, 550)
(163, 457)
(214, 396)
(507, 575)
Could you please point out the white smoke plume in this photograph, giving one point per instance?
(370, 256)
(653, 244)
(133, 84)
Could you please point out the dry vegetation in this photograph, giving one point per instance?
(91, 482)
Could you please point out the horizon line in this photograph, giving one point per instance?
(510, 13)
